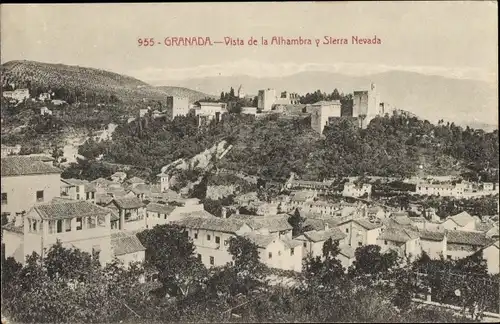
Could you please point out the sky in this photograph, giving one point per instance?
(452, 39)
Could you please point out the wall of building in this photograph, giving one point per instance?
(266, 99)
(129, 258)
(435, 249)
(459, 251)
(491, 255)
(450, 224)
(177, 106)
(21, 191)
(281, 256)
(346, 262)
(14, 245)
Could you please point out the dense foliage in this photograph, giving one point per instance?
(68, 285)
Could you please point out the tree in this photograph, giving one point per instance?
(327, 270)
(297, 222)
(171, 252)
(369, 261)
(68, 263)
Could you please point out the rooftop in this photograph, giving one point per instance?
(318, 236)
(226, 225)
(21, 165)
(400, 235)
(467, 238)
(260, 240)
(124, 243)
(462, 219)
(347, 251)
(65, 208)
(128, 203)
(431, 235)
(273, 223)
(159, 208)
(134, 180)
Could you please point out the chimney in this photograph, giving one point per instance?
(224, 212)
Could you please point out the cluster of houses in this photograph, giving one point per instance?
(103, 216)
(463, 189)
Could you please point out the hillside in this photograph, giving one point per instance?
(88, 83)
(466, 102)
(192, 95)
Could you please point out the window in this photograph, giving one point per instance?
(212, 260)
(59, 225)
(385, 242)
(305, 244)
(4, 198)
(91, 223)
(79, 223)
(208, 237)
(292, 251)
(77, 196)
(35, 226)
(199, 257)
(196, 236)
(270, 255)
(347, 230)
(360, 244)
(217, 240)
(68, 225)
(226, 242)
(77, 188)
(39, 195)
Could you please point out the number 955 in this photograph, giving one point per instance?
(146, 42)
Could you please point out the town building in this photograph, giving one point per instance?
(441, 189)
(313, 241)
(78, 190)
(78, 224)
(177, 106)
(266, 99)
(359, 231)
(131, 212)
(352, 189)
(461, 244)
(134, 182)
(127, 248)
(491, 254)
(366, 105)
(321, 111)
(18, 94)
(249, 111)
(287, 98)
(44, 96)
(404, 241)
(433, 243)
(10, 150)
(346, 256)
(45, 111)
(462, 222)
(241, 92)
(158, 214)
(27, 181)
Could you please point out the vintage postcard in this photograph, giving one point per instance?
(250, 162)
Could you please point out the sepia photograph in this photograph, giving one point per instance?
(250, 162)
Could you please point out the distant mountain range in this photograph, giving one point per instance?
(465, 102)
(87, 80)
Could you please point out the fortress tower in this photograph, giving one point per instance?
(366, 105)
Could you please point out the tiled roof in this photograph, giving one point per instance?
(69, 209)
(124, 243)
(12, 228)
(19, 165)
(318, 236)
(347, 251)
(366, 224)
(290, 243)
(431, 235)
(141, 189)
(484, 227)
(467, 238)
(128, 203)
(102, 182)
(274, 223)
(324, 102)
(226, 225)
(88, 187)
(197, 214)
(315, 224)
(400, 235)
(462, 219)
(260, 240)
(159, 208)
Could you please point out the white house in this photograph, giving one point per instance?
(127, 248)
(491, 254)
(402, 240)
(313, 241)
(461, 244)
(433, 243)
(354, 190)
(462, 221)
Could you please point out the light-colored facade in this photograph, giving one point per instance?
(360, 232)
(404, 241)
(127, 248)
(443, 190)
(18, 94)
(78, 190)
(461, 244)
(491, 254)
(10, 150)
(321, 111)
(461, 222)
(433, 243)
(76, 224)
(313, 241)
(366, 105)
(266, 99)
(27, 182)
(131, 213)
(353, 190)
(177, 106)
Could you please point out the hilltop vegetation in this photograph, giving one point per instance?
(272, 148)
(79, 84)
(192, 95)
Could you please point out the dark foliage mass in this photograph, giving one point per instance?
(70, 286)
